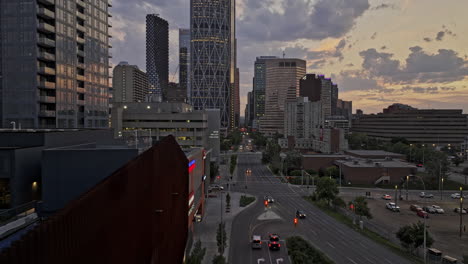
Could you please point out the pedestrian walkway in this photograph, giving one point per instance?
(215, 210)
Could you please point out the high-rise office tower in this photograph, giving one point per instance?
(130, 84)
(212, 44)
(249, 109)
(281, 85)
(157, 55)
(319, 88)
(235, 102)
(54, 69)
(259, 82)
(184, 61)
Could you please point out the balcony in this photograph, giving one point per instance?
(81, 15)
(47, 2)
(80, 3)
(46, 13)
(80, 77)
(109, 15)
(110, 54)
(80, 52)
(44, 27)
(46, 42)
(47, 113)
(109, 3)
(80, 28)
(80, 102)
(43, 55)
(47, 99)
(46, 70)
(80, 90)
(46, 85)
(109, 23)
(80, 40)
(80, 65)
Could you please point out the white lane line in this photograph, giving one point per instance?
(364, 246)
(330, 245)
(269, 255)
(352, 260)
(370, 261)
(388, 261)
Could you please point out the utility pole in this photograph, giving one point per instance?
(442, 188)
(461, 210)
(340, 173)
(396, 193)
(407, 181)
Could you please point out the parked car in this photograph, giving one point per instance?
(300, 214)
(216, 187)
(438, 209)
(415, 207)
(393, 207)
(455, 195)
(423, 214)
(419, 165)
(386, 197)
(429, 209)
(426, 195)
(457, 210)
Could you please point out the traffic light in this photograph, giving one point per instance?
(351, 206)
(265, 203)
(218, 177)
(295, 221)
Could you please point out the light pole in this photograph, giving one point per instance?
(423, 153)
(410, 149)
(396, 190)
(442, 188)
(407, 180)
(461, 210)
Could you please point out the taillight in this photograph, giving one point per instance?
(269, 244)
(279, 245)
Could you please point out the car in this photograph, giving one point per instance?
(438, 209)
(256, 242)
(216, 187)
(429, 209)
(415, 207)
(274, 243)
(393, 207)
(269, 199)
(248, 171)
(386, 197)
(457, 210)
(426, 195)
(455, 196)
(422, 214)
(300, 214)
(419, 165)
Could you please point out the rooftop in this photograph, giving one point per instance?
(368, 163)
(372, 153)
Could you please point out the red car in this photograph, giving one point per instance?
(419, 165)
(423, 214)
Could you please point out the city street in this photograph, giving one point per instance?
(340, 243)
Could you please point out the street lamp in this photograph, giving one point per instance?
(407, 180)
(410, 148)
(461, 210)
(442, 189)
(396, 190)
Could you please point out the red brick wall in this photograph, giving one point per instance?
(137, 215)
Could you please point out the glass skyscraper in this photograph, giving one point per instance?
(184, 61)
(212, 48)
(54, 58)
(157, 55)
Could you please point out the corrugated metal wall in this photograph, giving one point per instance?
(137, 215)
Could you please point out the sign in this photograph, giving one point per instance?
(191, 166)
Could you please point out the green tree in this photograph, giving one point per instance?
(197, 255)
(457, 160)
(326, 189)
(402, 140)
(221, 238)
(361, 208)
(271, 153)
(412, 236)
(219, 259)
(338, 202)
(332, 171)
(293, 160)
(233, 164)
(258, 139)
(214, 170)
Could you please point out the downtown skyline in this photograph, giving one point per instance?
(360, 45)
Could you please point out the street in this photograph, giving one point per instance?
(340, 243)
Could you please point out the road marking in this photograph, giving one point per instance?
(330, 245)
(370, 261)
(388, 261)
(269, 255)
(364, 246)
(351, 260)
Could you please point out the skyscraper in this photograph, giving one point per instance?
(54, 64)
(130, 83)
(281, 84)
(157, 54)
(212, 48)
(184, 61)
(249, 109)
(259, 82)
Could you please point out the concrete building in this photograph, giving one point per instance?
(157, 54)
(21, 154)
(212, 60)
(250, 109)
(54, 65)
(436, 127)
(184, 62)
(130, 84)
(259, 85)
(175, 94)
(235, 102)
(464, 149)
(143, 124)
(281, 76)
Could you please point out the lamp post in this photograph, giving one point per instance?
(461, 210)
(442, 188)
(410, 148)
(423, 147)
(396, 190)
(407, 180)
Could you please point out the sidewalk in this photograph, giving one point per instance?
(215, 208)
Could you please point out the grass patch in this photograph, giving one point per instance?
(246, 200)
(301, 251)
(366, 232)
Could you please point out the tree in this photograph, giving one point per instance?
(326, 189)
(221, 238)
(293, 160)
(332, 171)
(361, 208)
(228, 200)
(197, 255)
(214, 170)
(412, 236)
(338, 202)
(396, 140)
(219, 259)
(457, 160)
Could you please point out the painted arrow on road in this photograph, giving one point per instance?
(260, 260)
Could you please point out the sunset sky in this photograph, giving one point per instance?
(378, 52)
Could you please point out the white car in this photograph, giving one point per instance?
(438, 209)
(269, 199)
(455, 196)
(393, 207)
(216, 187)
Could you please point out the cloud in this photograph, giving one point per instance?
(441, 34)
(335, 53)
(383, 6)
(441, 67)
(299, 19)
(428, 90)
(383, 47)
(427, 39)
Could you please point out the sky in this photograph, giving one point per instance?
(378, 52)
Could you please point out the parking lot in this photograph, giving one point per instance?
(444, 228)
